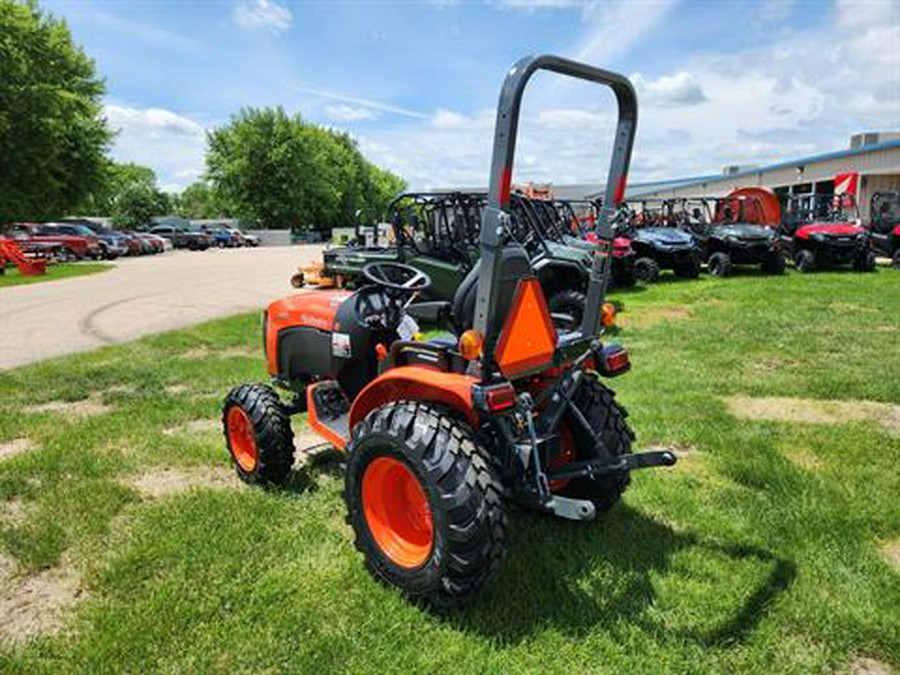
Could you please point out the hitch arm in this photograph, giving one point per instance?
(600, 467)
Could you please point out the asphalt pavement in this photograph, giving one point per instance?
(141, 296)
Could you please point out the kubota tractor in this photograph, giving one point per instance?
(439, 435)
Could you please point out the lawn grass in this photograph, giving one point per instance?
(759, 552)
(12, 277)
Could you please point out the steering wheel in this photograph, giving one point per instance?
(396, 278)
(399, 283)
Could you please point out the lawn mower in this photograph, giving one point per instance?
(439, 435)
(659, 244)
(884, 225)
(824, 231)
(739, 229)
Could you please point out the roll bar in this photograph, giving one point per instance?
(496, 214)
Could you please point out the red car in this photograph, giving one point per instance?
(75, 247)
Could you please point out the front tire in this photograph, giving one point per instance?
(258, 434)
(805, 261)
(646, 270)
(719, 264)
(865, 262)
(424, 504)
(567, 309)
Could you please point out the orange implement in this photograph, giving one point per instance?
(29, 267)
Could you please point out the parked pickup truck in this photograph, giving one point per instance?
(183, 238)
(75, 247)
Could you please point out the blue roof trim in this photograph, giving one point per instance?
(686, 182)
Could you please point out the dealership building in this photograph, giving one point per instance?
(875, 157)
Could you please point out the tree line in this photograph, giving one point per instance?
(265, 167)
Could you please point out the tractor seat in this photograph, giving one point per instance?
(514, 265)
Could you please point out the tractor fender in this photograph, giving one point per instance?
(420, 384)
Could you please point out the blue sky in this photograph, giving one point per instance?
(415, 82)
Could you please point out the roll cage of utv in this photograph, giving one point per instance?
(884, 225)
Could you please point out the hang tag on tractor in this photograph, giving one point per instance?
(340, 345)
(408, 328)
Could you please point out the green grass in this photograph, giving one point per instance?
(12, 277)
(737, 560)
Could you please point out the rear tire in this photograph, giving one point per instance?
(865, 262)
(569, 303)
(774, 263)
(646, 270)
(412, 450)
(607, 418)
(805, 261)
(895, 260)
(258, 434)
(719, 264)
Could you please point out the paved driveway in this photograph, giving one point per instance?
(141, 296)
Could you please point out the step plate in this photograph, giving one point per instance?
(333, 428)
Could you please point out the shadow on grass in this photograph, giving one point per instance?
(581, 578)
(323, 459)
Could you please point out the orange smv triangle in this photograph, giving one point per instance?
(528, 339)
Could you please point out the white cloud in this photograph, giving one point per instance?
(617, 25)
(669, 90)
(262, 14)
(357, 101)
(172, 145)
(571, 118)
(799, 92)
(348, 113)
(449, 119)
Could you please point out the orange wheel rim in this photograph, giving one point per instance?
(397, 512)
(242, 437)
(566, 455)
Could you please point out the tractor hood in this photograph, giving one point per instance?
(664, 236)
(746, 232)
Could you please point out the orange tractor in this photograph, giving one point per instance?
(439, 435)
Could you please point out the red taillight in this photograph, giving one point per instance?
(616, 362)
(499, 398)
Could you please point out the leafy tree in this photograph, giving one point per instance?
(279, 171)
(115, 178)
(200, 200)
(136, 205)
(52, 134)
